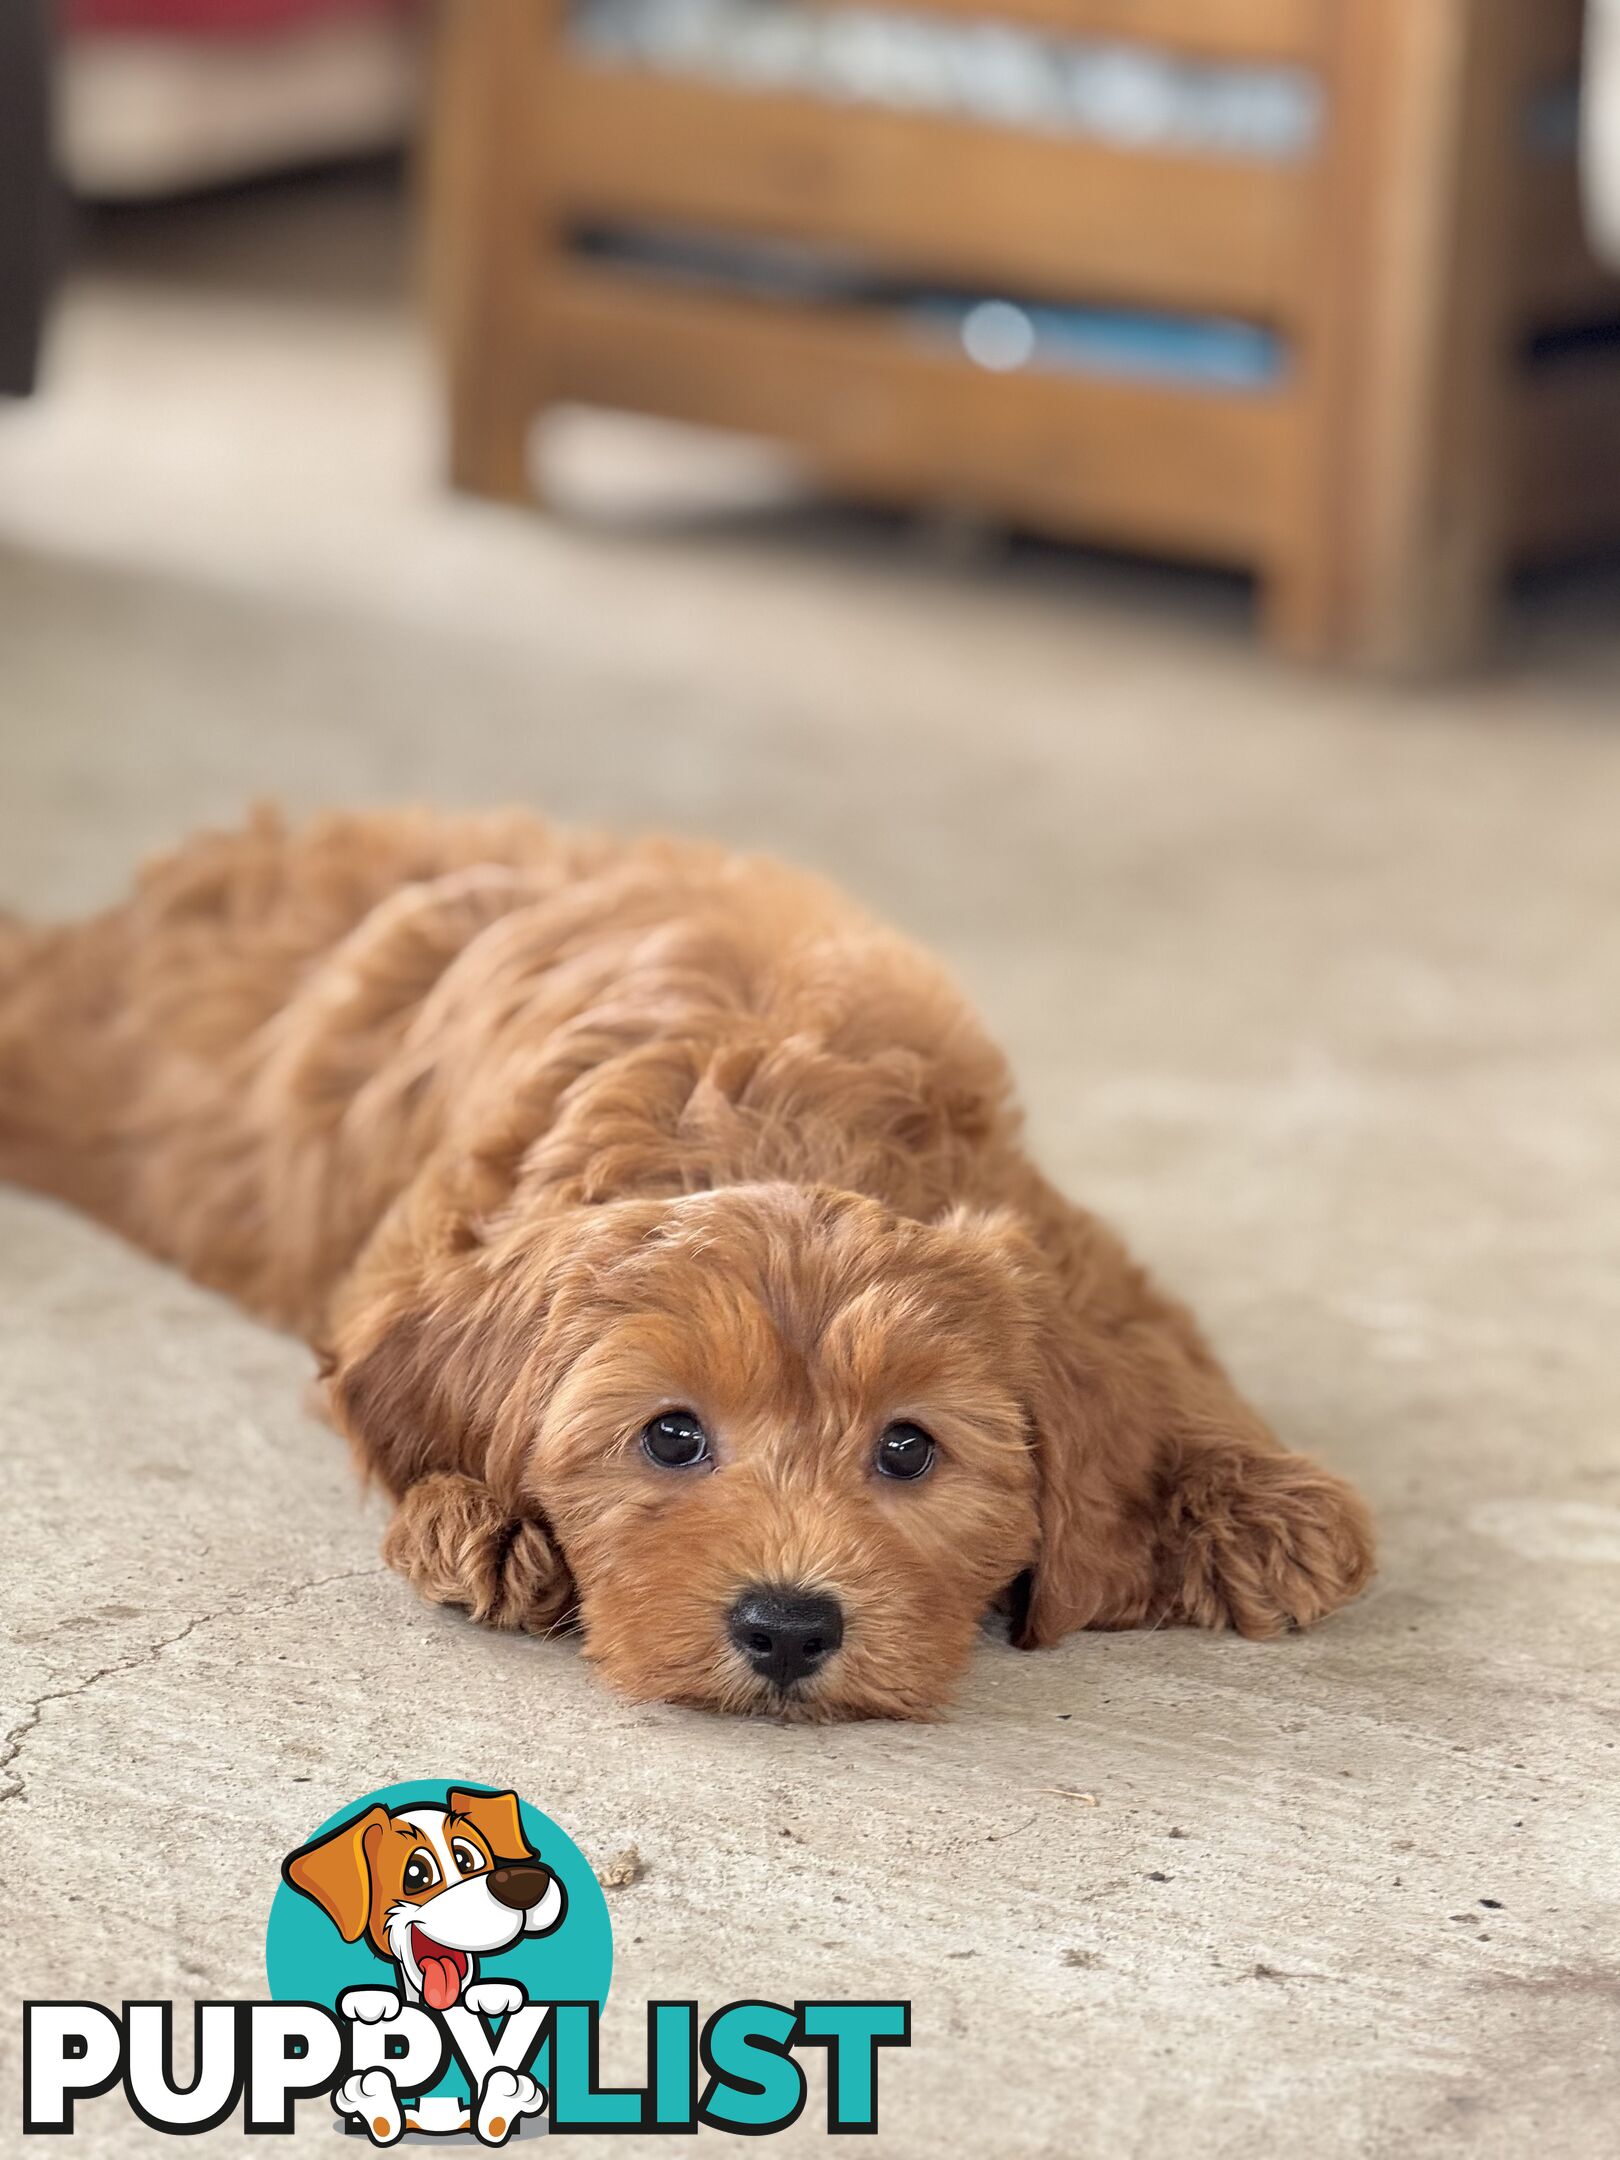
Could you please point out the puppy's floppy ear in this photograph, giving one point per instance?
(335, 1871)
(1093, 1565)
(408, 1397)
(1163, 1496)
(381, 1399)
(432, 1345)
(496, 1818)
(444, 1343)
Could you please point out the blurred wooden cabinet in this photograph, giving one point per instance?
(1443, 412)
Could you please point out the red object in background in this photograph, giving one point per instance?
(213, 18)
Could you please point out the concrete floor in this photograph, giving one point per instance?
(1315, 989)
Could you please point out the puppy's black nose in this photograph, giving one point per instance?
(518, 1886)
(785, 1633)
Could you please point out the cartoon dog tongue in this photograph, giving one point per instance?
(441, 1982)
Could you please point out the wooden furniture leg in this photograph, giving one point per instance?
(1402, 518)
(483, 236)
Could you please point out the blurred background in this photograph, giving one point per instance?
(1123, 484)
(1133, 505)
(932, 439)
(1130, 488)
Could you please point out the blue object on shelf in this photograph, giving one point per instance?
(989, 330)
(1004, 336)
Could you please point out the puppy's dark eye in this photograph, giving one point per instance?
(421, 1873)
(675, 1441)
(905, 1451)
(467, 1857)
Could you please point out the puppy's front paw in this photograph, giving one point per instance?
(1262, 1541)
(368, 2005)
(494, 1998)
(369, 2098)
(452, 1540)
(507, 2096)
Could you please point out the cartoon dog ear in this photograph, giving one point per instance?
(335, 1871)
(496, 1819)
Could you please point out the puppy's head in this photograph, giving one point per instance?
(431, 1887)
(791, 1444)
(786, 1455)
(780, 1434)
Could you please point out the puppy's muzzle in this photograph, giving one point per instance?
(517, 1887)
(785, 1633)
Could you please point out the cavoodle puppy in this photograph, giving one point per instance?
(662, 1230)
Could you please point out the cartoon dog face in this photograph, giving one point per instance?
(432, 1888)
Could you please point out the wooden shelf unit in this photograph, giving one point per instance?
(1380, 490)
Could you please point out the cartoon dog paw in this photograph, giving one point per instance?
(507, 2096)
(494, 1998)
(368, 2005)
(369, 2097)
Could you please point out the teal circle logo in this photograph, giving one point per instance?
(355, 1906)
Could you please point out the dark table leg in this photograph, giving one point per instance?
(29, 224)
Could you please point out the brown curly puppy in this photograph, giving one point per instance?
(662, 1228)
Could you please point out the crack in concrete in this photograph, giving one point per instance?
(12, 1746)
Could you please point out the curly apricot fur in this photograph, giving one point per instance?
(535, 1135)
